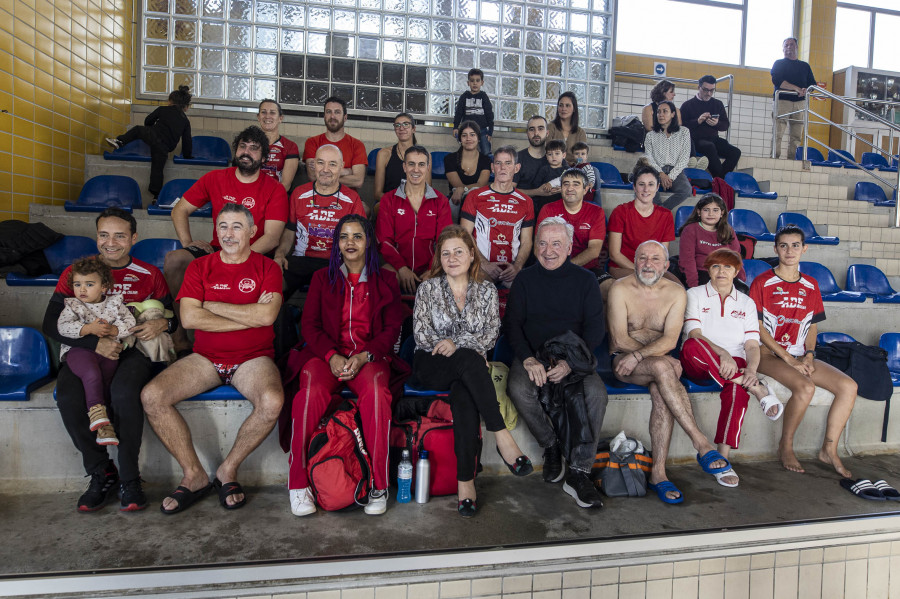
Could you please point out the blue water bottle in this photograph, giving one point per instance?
(404, 478)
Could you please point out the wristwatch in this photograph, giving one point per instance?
(369, 357)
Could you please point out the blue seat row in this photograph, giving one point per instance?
(863, 281)
(747, 187)
(24, 362)
(867, 191)
(751, 223)
(208, 150)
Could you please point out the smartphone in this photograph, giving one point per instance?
(713, 116)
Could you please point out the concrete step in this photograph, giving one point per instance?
(84, 223)
(95, 165)
(45, 457)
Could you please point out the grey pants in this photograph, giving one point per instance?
(524, 395)
(681, 190)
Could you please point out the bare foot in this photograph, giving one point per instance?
(789, 460)
(772, 411)
(835, 462)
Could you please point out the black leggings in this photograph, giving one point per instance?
(125, 411)
(472, 397)
(159, 154)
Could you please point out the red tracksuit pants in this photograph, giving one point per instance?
(701, 362)
(311, 404)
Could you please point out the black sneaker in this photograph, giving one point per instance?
(553, 466)
(581, 487)
(132, 495)
(98, 492)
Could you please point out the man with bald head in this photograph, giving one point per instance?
(313, 211)
(645, 316)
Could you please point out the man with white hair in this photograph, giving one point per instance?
(547, 300)
(645, 318)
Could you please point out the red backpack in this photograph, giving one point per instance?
(340, 470)
(426, 423)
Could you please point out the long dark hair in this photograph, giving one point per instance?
(573, 121)
(724, 232)
(336, 260)
(673, 124)
(462, 127)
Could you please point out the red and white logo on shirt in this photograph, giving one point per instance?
(247, 285)
(248, 203)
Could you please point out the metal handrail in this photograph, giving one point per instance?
(818, 92)
(730, 79)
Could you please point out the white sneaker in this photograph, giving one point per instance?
(302, 502)
(377, 502)
(702, 163)
(114, 142)
(692, 162)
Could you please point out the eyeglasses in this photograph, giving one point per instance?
(403, 125)
(709, 90)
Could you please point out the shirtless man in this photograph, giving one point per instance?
(645, 314)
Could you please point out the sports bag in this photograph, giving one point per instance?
(426, 423)
(867, 366)
(621, 474)
(340, 470)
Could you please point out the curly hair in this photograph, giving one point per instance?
(252, 134)
(89, 266)
(659, 91)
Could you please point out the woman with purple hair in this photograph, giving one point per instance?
(351, 320)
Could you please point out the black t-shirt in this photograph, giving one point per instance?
(793, 71)
(526, 178)
(451, 165)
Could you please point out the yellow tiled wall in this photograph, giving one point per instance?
(65, 83)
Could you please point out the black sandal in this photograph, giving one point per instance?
(185, 498)
(467, 508)
(228, 489)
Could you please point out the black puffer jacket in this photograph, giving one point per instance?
(21, 246)
(564, 401)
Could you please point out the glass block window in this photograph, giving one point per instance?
(383, 55)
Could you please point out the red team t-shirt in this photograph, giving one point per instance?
(208, 279)
(589, 223)
(137, 282)
(279, 151)
(265, 198)
(787, 309)
(353, 150)
(499, 219)
(313, 217)
(635, 229)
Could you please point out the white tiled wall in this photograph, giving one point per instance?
(751, 116)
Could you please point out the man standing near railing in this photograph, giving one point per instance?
(792, 74)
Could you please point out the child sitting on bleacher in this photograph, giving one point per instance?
(549, 176)
(581, 152)
(92, 312)
(161, 131)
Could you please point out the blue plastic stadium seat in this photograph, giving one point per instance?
(618, 148)
(750, 223)
(105, 191)
(831, 336)
(220, 393)
(208, 151)
(828, 285)
(153, 251)
(135, 151)
(754, 268)
(890, 342)
(24, 362)
(747, 187)
(842, 157)
(59, 255)
(373, 156)
(696, 173)
(866, 191)
(871, 282)
(617, 387)
(815, 158)
(437, 165)
(170, 193)
(503, 351)
(809, 230)
(872, 160)
(412, 387)
(681, 216)
(609, 176)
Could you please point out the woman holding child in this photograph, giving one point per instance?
(455, 322)
(351, 320)
(565, 125)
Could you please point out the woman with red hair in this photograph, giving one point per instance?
(721, 330)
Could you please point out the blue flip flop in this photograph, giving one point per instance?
(712, 456)
(664, 487)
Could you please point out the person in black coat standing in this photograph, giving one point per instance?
(791, 74)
